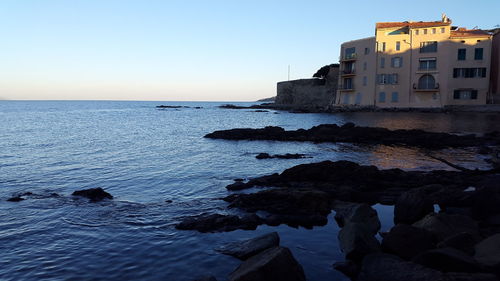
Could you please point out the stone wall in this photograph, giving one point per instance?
(308, 93)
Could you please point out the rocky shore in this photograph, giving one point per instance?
(446, 223)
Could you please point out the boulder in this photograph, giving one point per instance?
(385, 267)
(357, 240)
(464, 242)
(407, 241)
(15, 199)
(94, 194)
(245, 249)
(219, 223)
(444, 225)
(460, 276)
(348, 268)
(447, 260)
(486, 202)
(274, 264)
(488, 251)
(412, 206)
(356, 213)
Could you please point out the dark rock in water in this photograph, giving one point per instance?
(488, 252)
(260, 110)
(412, 206)
(407, 241)
(444, 225)
(239, 185)
(245, 249)
(168, 201)
(280, 156)
(94, 194)
(348, 268)
(486, 202)
(464, 242)
(274, 264)
(219, 223)
(385, 267)
(358, 240)
(239, 180)
(296, 205)
(15, 199)
(461, 276)
(351, 133)
(306, 221)
(356, 213)
(447, 260)
(205, 278)
(170, 106)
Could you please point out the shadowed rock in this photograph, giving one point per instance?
(94, 194)
(280, 156)
(447, 260)
(357, 240)
(205, 278)
(356, 213)
(245, 249)
(407, 241)
(274, 264)
(488, 252)
(354, 134)
(444, 225)
(412, 206)
(463, 241)
(219, 223)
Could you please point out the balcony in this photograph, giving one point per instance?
(348, 72)
(349, 57)
(427, 89)
(346, 88)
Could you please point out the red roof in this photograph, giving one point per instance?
(419, 24)
(462, 32)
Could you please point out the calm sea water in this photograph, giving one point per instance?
(144, 157)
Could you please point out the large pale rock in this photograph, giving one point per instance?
(245, 249)
(274, 264)
(443, 225)
(412, 206)
(488, 251)
(447, 260)
(385, 267)
(407, 241)
(356, 213)
(357, 240)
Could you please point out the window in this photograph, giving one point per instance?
(427, 64)
(383, 46)
(367, 51)
(442, 30)
(358, 98)
(461, 54)
(346, 99)
(427, 82)
(347, 84)
(365, 80)
(387, 79)
(397, 62)
(364, 66)
(433, 31)
(381, 97)
(350, 53)
(478, 53)
(398, 46)
(425, 31)
(394, 97)
(466, 94)
(382, 62)
(428, 47)
(469, 72)
(416, 32)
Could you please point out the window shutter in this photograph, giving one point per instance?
(455, 72)
(474, 95)
(456, 94)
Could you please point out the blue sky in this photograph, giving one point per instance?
(189, 50)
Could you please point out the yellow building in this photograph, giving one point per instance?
(416, 64)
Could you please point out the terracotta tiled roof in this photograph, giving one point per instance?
(419, 24)
(461, 33)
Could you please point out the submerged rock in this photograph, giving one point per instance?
(245, 249)
(219, 223)
(280, 156)
(94, 194)
(274, 264)
(15, 199)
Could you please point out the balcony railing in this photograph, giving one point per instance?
(418, 88)
(348, 57)
(346, 88)
(347, 72)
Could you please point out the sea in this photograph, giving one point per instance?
(160, 169)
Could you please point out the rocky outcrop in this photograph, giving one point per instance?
(274, 264)
(488, 252)
(94, 194)
(244, 249)
(219, 223)
(355, 134)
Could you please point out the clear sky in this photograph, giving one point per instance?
(192, 49)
